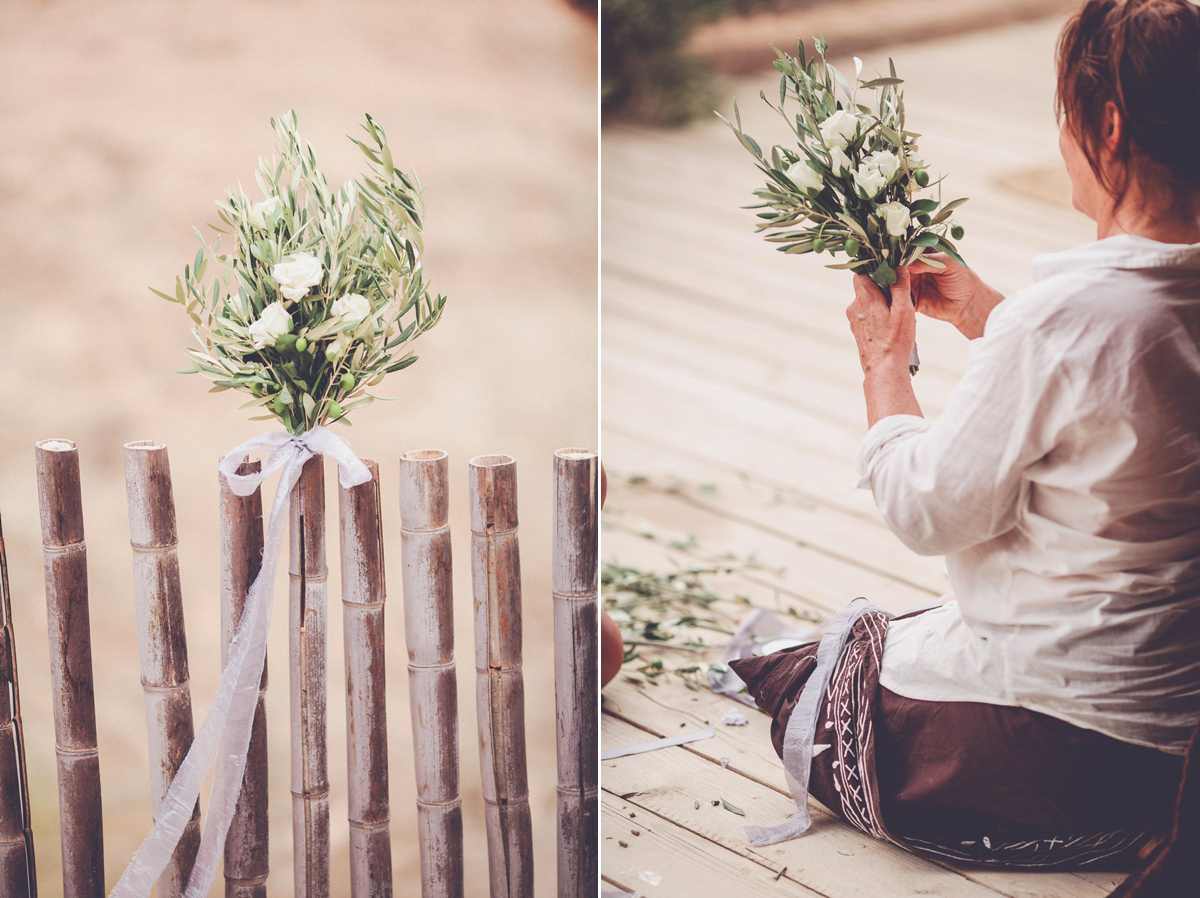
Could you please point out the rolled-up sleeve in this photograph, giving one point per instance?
(949, 484)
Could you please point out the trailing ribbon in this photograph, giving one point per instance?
(226, 729)
(802, 726)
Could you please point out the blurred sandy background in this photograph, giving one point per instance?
(120, 125)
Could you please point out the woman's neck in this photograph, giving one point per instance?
(1140, 218)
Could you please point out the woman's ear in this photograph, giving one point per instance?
(1114, 128)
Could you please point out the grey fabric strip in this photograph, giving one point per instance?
(802, 726)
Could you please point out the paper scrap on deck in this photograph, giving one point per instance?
(682, 739)
(759, 627)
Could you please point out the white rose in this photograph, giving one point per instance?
(839, 129)
(271, 325)
(896, 217)
(839, 162)
(351, 309)
(885, 162)
(265, 214)
(297, 273)
(869, 181)
(802, 175)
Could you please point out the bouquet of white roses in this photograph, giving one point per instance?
(848, 183)
(320, 291)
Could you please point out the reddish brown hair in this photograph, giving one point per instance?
(1143, 56)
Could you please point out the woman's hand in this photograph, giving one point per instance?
(885, 336)
(953, 293)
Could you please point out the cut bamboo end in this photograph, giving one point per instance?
(429, 638)
(363, 597)
(308, 611)
(576, 587)
(424, 499)
(247, 844)
(500, 694)
(162, 641)
(60, 504)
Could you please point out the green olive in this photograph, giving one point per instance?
(819, 245)
(922, 177)
(301, 344)
(347, 381)
(957, 232)
(335, 410)
(852, 247)
(924, 219)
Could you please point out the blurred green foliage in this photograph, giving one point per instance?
(644, 75)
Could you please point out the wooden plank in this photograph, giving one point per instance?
(828, 582)
(770, 508)
(660, 859)
(837, 860)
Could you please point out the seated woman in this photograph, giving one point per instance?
(1041, 718)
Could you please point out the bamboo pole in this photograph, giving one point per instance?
(162, 640)
(433, 693)
(500, 690)
(247, 845)
(65, 553)
(18, 876)
(363, 596)
(308, 619)
(576, 590)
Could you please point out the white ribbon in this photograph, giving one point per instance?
(226, 730)
(802, 726)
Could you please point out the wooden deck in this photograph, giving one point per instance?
(732, 413)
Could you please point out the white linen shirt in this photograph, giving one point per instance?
(1062, 483)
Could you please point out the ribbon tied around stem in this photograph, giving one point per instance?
(225, 733)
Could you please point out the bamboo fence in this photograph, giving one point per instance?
(162, 642)
(363, 596)
(428, 612)
(499, 687)
(308, 618)
(576, 590)
(18, 873)
(433, 695)
(246, 847)
(69, 627)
